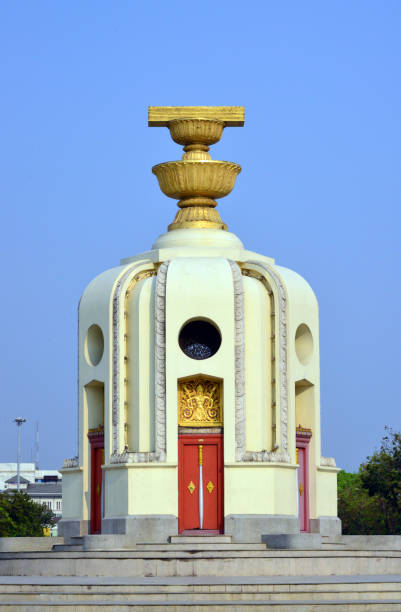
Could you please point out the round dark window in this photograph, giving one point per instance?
(199, 339)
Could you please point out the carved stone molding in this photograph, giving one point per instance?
(239, 342)
(160, 362)
(116, 370)
(70, 463)
(327, 462)
(128, 456)
(280, 455)
(119, 299)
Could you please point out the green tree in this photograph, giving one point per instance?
(381, 477)
(21, 516)
(360, 513)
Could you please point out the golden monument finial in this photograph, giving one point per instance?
(197, 180)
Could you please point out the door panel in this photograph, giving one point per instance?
(211, 491)
(96, 485)
(303, 485)
(200, 465)
(190, 484)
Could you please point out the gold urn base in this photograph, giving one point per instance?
(200, 217)
(197, 180)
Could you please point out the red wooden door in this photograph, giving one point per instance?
(303, 501)
(97, 459)
(200, 483)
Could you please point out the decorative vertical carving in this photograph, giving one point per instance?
(160, 361)
(116, 360)
(160, 384)
(239, 342)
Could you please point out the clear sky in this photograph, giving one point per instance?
(319, 190)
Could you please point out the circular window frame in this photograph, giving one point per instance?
(210, 323)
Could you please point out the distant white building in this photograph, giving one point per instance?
(28, 474)
(47, 493)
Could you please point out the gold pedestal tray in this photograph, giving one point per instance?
(197, 180)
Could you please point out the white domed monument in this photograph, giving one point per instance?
(199, 394)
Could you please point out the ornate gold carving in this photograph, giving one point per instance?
(303, 432)
(198, 217)
(199, 403)
(210, 486)
(197, 180)
(200, 451)
(301, 489)
(191, 487)
(297, 459)
(96, 430)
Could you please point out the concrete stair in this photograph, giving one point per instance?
(189, 560)
(201, 539)
(203, 573)
(340, 593)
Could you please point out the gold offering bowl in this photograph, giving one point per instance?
(196, 178)
(196, 131)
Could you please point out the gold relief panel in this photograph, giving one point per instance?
(200, 403)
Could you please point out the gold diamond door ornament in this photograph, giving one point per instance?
(191, 487)
(210, 486)
(301, 489)
(199, 403)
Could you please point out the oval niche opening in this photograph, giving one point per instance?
(94, 345)
(303, 343)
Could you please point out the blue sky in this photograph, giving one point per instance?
(319, 190)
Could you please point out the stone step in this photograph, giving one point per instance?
(200, 563)
(205, 539)
(199, 546)
(325, 593)
(223, 593)
(365, 542)
(66, 548)
(165, 548)
(379, 605)
(125, 583)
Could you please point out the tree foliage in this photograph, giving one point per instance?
(360, 514)
(369, 501)
(21, 516)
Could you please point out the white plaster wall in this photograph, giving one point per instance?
(326, 502)
(116, 492)
(260, 489)
(153, 489)
(200, 288)
(72, 494)
(303, 308)
(95, 308)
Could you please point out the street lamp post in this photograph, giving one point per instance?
(19, 421)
